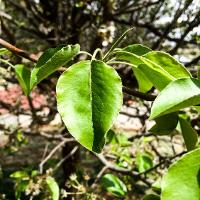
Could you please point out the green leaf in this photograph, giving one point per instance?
(51, 60)
(178, 94)
(132, 53)
(189, 134)
(143, 82)
(89, 103)
(122, 140)
(4, 51)
(181, 182)
(21, 187)
(114, 185)
(166, 62)
(143, 162)
(23, 75)
(136, 49)
(156, 75)
(111, 137)
(163, 128)
(197, 108)
(53, 188)
(132, 58)
(160, 68)
(19, 175)
(151, 197)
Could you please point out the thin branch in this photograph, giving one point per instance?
(53, 151)
(170, 159)
(171, 25)
(131, 139)
(112, 167)
(99, 175)
(193, 62)
(70, 154)
(147, 97)
(136, 8)
(129, 172)
(18, 51)
(195, 22)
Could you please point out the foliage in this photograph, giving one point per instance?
(182, 179)
(114, 185)
(89, 98)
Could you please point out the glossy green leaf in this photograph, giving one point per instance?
(189, 134)
(143, 162)
(89, 97)
(19, 175)
(53, 188)
(178, 94)
(132, 58)
(160, 68)
(143, 82)
(165, 124)
(51, 60)
(167, 63)
(136, 49)
(23, 75)
(114, 185)
(111, 137)
(151, 197)
(182, 179)
(157, 76)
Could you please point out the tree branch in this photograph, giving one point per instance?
(193, 62)
(147, 97)
(18, 51)
(171, 25)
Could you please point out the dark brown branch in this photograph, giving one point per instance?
(6, 30)
(147, 97)
(193, 62)
(165, 160)
(171, 25)
(136, 8)
(194, 23)
(18, 51)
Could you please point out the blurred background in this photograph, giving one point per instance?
(32, 135)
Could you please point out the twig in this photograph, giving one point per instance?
(132, 138)
(169, 160)
(129, 172)
(53, 151)
(193, 62)
(45, 150)
(18, 51)
(115, 168)
(33, 111)
(99, 175)
(147, 97)
(70, 154)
